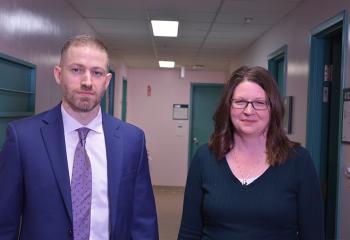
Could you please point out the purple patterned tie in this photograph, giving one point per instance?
(81, 188)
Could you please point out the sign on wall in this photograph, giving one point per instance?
(180, 111)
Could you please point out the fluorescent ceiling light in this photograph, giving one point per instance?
(166, 64)
(164, 28)
(26, 22)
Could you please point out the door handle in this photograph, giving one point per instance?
(195, 140)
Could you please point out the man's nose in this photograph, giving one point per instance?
(87, 79)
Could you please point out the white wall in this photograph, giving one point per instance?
(168, 152)
(34, 31)
(294, 31)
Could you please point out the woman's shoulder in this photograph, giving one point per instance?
(204, 155)
(300, 157)
(203, 150)
(299, 152)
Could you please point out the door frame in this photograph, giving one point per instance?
(107, 101)
(272, 59)
(110, 90)
(315, 92)
(193, 85)
(123, 111)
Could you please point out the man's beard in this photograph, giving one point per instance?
(83, 104)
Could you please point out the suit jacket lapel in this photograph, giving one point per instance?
(114, 150)
(53, 136)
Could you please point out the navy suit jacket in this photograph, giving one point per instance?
(35, 199)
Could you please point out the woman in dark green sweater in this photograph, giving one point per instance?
(251, 182)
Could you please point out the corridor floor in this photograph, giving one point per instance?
(169, 210)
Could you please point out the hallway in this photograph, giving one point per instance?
(169, 209)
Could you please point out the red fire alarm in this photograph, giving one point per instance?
(149, 91)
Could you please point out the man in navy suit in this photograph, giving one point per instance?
(36, 161)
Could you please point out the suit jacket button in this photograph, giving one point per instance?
(70, 232)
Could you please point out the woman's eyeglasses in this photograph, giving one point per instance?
(242, 104)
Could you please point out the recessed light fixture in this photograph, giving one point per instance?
(248, 20)
(166, 64)
(197, 67)
(164, 28)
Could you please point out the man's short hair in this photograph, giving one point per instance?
(84, 40)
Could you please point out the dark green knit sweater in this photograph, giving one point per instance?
(284, 203)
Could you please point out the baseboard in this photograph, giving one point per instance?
(158, 188)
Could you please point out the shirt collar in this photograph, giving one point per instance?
(70, 124)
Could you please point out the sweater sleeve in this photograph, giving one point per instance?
(191, 223)
(310, 204)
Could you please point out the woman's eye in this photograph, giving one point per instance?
(260, 103)
(241, 102)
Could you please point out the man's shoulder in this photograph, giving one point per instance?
(36, 119)
(119, 124)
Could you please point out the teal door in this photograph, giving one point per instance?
(204, 101)
(324, 101)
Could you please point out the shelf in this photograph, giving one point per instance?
(15, 114)
(15, 91)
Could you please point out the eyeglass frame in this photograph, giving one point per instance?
(252, 103)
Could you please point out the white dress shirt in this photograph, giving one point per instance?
(96, 150)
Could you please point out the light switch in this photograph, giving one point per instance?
(180, 131)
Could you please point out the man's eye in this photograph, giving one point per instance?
(76, 70)
(97, 73)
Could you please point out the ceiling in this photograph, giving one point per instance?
(211, 32)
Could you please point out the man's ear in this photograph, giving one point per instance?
(108, 79)
(57, 73)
